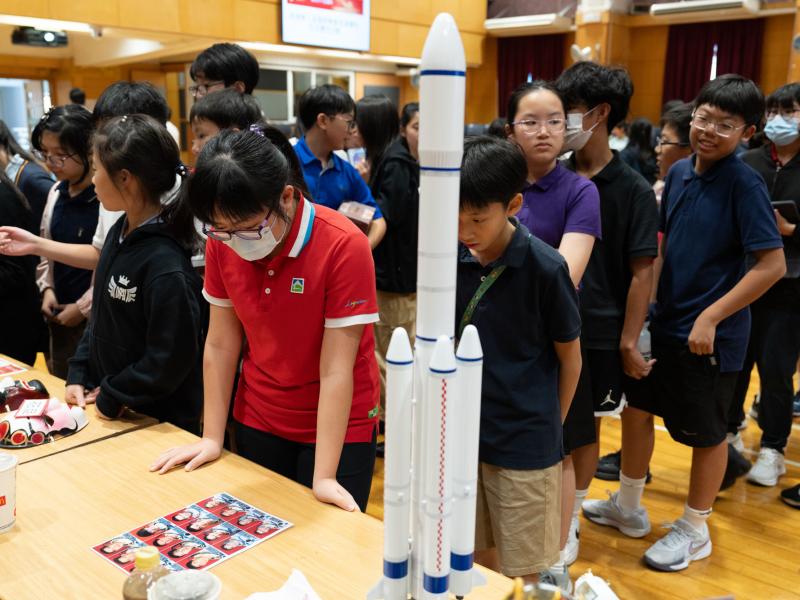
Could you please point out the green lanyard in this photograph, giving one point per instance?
(482, 289)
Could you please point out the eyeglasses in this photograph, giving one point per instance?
(54, 160)
(351, 123)
(663, 142)
(723, 129)
(535, 125)
(255, 233)
(784, 112)
(201, 89)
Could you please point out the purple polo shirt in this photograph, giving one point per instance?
(558, 203)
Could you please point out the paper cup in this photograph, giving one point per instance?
(186, 585)
(8, 491)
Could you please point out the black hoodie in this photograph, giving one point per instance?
(144, 344)
(395, 187)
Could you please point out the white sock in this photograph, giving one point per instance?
(630, 492)
(696, 518)
(561, 564)
(580, 496)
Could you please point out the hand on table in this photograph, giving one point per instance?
(194, 455)
(68, 315)
(330, 492)
(18, 242)
(634, 365)
(77, 394)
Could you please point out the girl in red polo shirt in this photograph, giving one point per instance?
(297, 281)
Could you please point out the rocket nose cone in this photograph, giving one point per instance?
(443, 360)
(443, 49)
(469, 348)
(399, 350)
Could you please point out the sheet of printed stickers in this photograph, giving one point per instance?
(198, 536)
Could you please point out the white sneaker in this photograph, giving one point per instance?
(633, 523)
(679, 547)
(736, 441)
(573, 542)
(558, 576)
(768, 468)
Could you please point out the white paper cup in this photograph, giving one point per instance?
(186, 585)
(8, 491)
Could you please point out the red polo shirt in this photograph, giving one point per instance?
(323, 277)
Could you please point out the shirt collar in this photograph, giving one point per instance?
(307, 157)
(514, 254)
(608, 173)
(300, 232)
(544, 183)
(87, 196)
(712, 173)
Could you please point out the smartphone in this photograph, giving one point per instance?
(788, 210)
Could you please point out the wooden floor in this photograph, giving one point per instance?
(756, 537)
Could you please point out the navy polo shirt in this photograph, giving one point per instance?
(531, 305)
(73, 222)
(711, 222)
(338, 182)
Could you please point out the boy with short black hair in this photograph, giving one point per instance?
(715, 211)
(528, 320)
(222, 66)
(327, 113)
(227, 109)
(616, 286)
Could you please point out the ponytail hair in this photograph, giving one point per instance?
(143, 146)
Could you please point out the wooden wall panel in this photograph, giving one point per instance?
(777, 51)
(647, 53)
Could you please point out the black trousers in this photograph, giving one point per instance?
(296, 461)
(774, 348)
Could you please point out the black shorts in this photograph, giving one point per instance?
(688, 391)
(599, 393)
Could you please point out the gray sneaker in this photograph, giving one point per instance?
(679, 547)
(633, 523)
(558, 578)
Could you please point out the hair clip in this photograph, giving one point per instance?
(256, 128)
(182, 170)
(46, 115)
(124, 119)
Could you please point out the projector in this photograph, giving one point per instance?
(30, 36)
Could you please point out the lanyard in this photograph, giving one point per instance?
(482, 289)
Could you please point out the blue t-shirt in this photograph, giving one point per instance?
(339, 182)
(531, 305)
(711, 222)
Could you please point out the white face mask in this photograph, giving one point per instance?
(251, 250)
(576, 137)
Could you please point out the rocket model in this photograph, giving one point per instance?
(433, 396)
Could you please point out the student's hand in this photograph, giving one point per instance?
(330, 492)
(69, 315)
(49, 304)
(91, 397)
(193, 455)
(634, 364)
(76, 394)
(363, 170)
(18, 242)
(785, 228)
(100, 415)
(701, 338)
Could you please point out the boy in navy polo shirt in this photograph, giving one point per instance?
(327, 114)
(527, 316)
(716, 219)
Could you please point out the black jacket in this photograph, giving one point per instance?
(395, 187)
(20, 303)
(783, 183)
(144, 343)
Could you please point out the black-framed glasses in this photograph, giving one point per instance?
(256, 233)
(663, 142)
(532, 126)
(723, 129)
(350, 123)
(201, 89)
(54, 160)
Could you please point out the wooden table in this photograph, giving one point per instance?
(97, 429)
(68, 503)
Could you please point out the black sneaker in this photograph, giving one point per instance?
(791, 496)
(380, 449)
(737, 466)
(609, 465)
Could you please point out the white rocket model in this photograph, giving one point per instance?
(433, 398)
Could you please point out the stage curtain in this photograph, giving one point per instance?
(541, 57)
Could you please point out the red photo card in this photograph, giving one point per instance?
(183, 549)
(214, 504)
(218, 534)
(168, 539)
(148, 532)
(204, 559)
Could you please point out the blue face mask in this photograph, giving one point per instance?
(782, 132)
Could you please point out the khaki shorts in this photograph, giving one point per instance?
(519, 512)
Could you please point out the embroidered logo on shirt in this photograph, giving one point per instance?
(117, 292)
(354, 303)
(298, 285)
